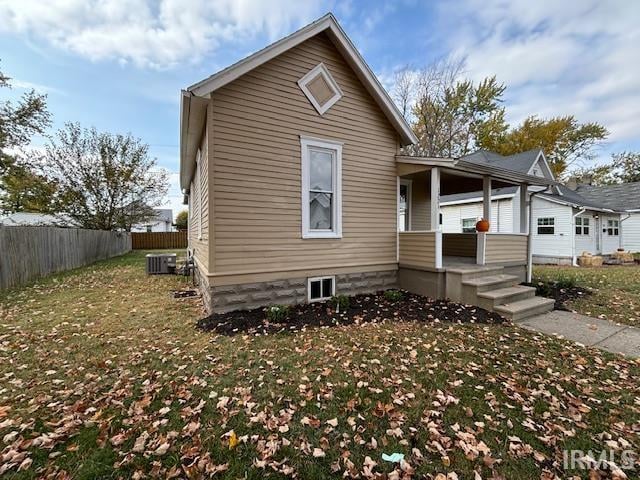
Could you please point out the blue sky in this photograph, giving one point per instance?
(119, 65)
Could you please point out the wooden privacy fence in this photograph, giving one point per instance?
(27, 253)
(152, 240)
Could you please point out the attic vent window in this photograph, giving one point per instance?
(320, 88)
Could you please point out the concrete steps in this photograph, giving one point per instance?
(492, 289)
(525, 308)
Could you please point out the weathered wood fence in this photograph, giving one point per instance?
(152, 240)
(27, 253)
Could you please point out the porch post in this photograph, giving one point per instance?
(486, 198)
(524, 224)
(435, 199)
(435, 214)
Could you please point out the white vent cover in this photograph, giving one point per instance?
(320, 88)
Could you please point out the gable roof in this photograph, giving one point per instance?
(575, 199)
(519, 162)
(623, 197)
(192, 109)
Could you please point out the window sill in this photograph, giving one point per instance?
(311, 235)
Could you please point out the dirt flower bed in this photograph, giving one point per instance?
(562, 292)
(362, 309)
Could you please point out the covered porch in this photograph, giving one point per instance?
(437, 264)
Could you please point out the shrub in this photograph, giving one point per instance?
(277, 313)
(393, 295)
(340, 302)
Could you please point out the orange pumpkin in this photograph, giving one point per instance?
(482, 225)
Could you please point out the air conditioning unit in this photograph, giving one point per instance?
(161, 263)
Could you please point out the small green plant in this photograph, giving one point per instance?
(277, 313)
(393, 295)
(340, 302)
(565, 281)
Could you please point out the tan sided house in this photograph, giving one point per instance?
(291, 164)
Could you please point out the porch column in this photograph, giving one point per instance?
(435, 214)
(524, 223)
(486, 198)
(435, 199)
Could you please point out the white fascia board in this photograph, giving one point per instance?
(545, 163)
(344, 45)
(575, 205)
(478, 199)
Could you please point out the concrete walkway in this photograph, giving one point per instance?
(585, 330)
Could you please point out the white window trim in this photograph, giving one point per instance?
(336, 230)
(612, 226)
(322, 70)
(409, 184)
(315, 279)
(475, 220)
(538, 225)
(582, 226)
(199, 178)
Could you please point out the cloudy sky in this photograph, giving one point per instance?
(119, 65)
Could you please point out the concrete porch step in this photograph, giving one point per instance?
(525, 308)
(474, 271)
(491, 299)
(491, 282)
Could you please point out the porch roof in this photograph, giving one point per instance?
(409, 164)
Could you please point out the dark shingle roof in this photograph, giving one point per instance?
(576, 198)
(625, 196)
(457, 197)
(520, 162)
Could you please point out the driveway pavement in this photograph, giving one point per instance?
(585, 330)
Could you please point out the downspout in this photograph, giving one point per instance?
(530, 235)
(574, 258)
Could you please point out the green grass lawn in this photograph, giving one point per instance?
(104, 376)
(616, 290)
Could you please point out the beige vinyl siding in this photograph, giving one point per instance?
(256, 123)
(199, 198)
(420, 201)
(417, 249)
(502, 247)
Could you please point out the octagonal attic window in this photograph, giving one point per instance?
(320, 88)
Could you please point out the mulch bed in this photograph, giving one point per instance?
(559, 292)
(362, 309)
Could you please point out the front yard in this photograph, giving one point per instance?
(616, 290)
(104, 375)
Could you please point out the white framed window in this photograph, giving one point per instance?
(613, 228)
(199, 193)
(321, 288)
(321, 188)
(404, 205)
(320, 88)
(546, 226)
(469, 225)
(582, 225)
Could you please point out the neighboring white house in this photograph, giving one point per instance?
(28, 219)
(625, 198)
(162, 222)
(565, 223)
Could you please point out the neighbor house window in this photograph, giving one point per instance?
(149, 229)
(321, 188)
(613, 228)
(582, 226)
(546, 226)
(468, 225)
(321, 288)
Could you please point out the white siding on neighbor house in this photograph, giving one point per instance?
(559, 244)
(631, 232)
(501, 216)
(587, 243)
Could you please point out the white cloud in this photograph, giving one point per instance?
(556, 58)
(151, 33)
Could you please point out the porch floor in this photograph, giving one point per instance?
(452, 262)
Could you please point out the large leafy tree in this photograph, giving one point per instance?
(449, 114)
(563, 140)
(623, 168)
(182, 220)
(105, 181)
(20, 187)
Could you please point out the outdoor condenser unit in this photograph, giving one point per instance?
(161, 263)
